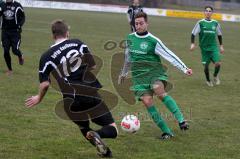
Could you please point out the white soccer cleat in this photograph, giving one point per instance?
(209, 83)
(216, 80)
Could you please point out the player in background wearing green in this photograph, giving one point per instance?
(143, 56)
(208, 29)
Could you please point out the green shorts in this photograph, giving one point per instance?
(208, 56)
(145, 86)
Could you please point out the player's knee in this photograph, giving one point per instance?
(217, 64)
(6, 50)
(16, 51)
(162, 95)
(114, 130)
(147, 101)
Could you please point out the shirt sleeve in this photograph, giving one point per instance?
(219, 29)
(168, 55)
(196, 29)
(1, 12)
(126, 64)
(129, 13)
(20, 15)
(87, 57)
(45, 68)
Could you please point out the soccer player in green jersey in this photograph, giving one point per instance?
(208, 29)
(143, 56)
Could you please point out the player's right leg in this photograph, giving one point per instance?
(108, 130)
(6, 44)
(206, 59)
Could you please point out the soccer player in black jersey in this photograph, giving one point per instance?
(70, 63)
(13, 18)
(132, 11)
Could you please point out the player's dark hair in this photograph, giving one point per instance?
(141, 15)
(208, 7)
(59, 28)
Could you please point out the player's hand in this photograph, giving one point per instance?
(189, 72)
(221, 49)
(121, 79)
(19, 29)
(32, 101)
(192, 47)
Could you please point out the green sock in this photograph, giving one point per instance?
(173, 107)
(158, 119)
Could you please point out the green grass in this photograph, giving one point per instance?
(38, 133)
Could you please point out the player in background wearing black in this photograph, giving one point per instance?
(132, 11)
(13, 18)
(71, 59)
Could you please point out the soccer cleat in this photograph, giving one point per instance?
(216, 80)
(184, 125)
(21, 60)
(9, 73)
(166, 136)
(102, 149)
(209, 83)
(108, 154)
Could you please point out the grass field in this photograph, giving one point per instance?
(38, 133)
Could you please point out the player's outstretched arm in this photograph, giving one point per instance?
(168, 55)
(124, 71)
(34, 100)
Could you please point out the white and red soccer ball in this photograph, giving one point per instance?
(130, 124)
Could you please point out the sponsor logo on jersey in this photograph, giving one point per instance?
(12, 8)
(144, 45)
(138, 52)
(9, 14)
(209, 31)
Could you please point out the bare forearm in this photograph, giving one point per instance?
(43, 89)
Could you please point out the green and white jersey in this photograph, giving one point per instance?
(207, 30)
(143, 54)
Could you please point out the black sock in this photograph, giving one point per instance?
(8, 60)
(84, 133)
(206, 71)
(107, 132)
(216, 71)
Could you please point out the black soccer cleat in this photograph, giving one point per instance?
(184, 125)
(21, 60)
(108, 154)
(103, 150)
(166, 136)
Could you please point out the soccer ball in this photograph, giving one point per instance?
(130, 124)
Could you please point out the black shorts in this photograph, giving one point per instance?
(82, 109)
(11, 38)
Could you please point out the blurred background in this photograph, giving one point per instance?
(218, 4)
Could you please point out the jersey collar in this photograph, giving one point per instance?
(142, 36)
(59, 41)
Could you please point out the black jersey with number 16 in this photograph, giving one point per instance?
(70, 59)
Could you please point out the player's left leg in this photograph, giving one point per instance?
(108, 130)
(217, 62)
(16, 41)
(169, 102)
